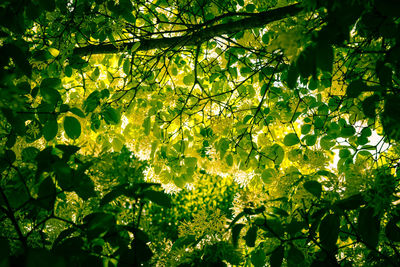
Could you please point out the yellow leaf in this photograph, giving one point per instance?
(54, 52)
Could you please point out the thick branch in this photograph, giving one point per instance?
(197, 37)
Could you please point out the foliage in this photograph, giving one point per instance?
(199, 133)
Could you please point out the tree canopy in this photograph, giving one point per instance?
(199, 133)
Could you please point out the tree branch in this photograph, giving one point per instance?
(193, 38)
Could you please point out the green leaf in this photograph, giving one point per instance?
(95, 74)
(305, 129)
(188, 79)
(258, 258)
(369, 106)
(276, 153)
(362, 140)
(117, 144)
(64, 175)
(392, 231)
(351, 203)
(366, 132)
(135, 46)
(99, 222)
(72, 127)
(347, 131)
(77, 112)
(236, 233)
(384, 73)
(355, 88)
(50, 95)
(368, 226)
(268, 175)
(146, 125)
(50, 129)
(47, 194)
(29, 154)
(313, 187)
(95, 121)
(250, 7)
(280, 212)
(92, 101)
(190, 162)
(111, 116)
(329, 231)
(141, 251)
(324, 57)
(45, 110)
(24, 87)
(112, 195)
(306, 62)
(295, 256)
(251, 236)
(310, 139)
(276, 257)
(223, 146)
(292, 76)
(295, 227)
(313, 84)
(105, 93)
(157, 197)
(84, 187)
(344, 153)
(126, 66)
(68, 71)
(265, 37)
(64, 108)
(326, 142)
(54, 83)
(229, 159)
(291, 139)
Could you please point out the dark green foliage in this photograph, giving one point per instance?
(251, 236)
(329, 231)
(368, 225)
(276, 257)
(72, 127)
(313, 187)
